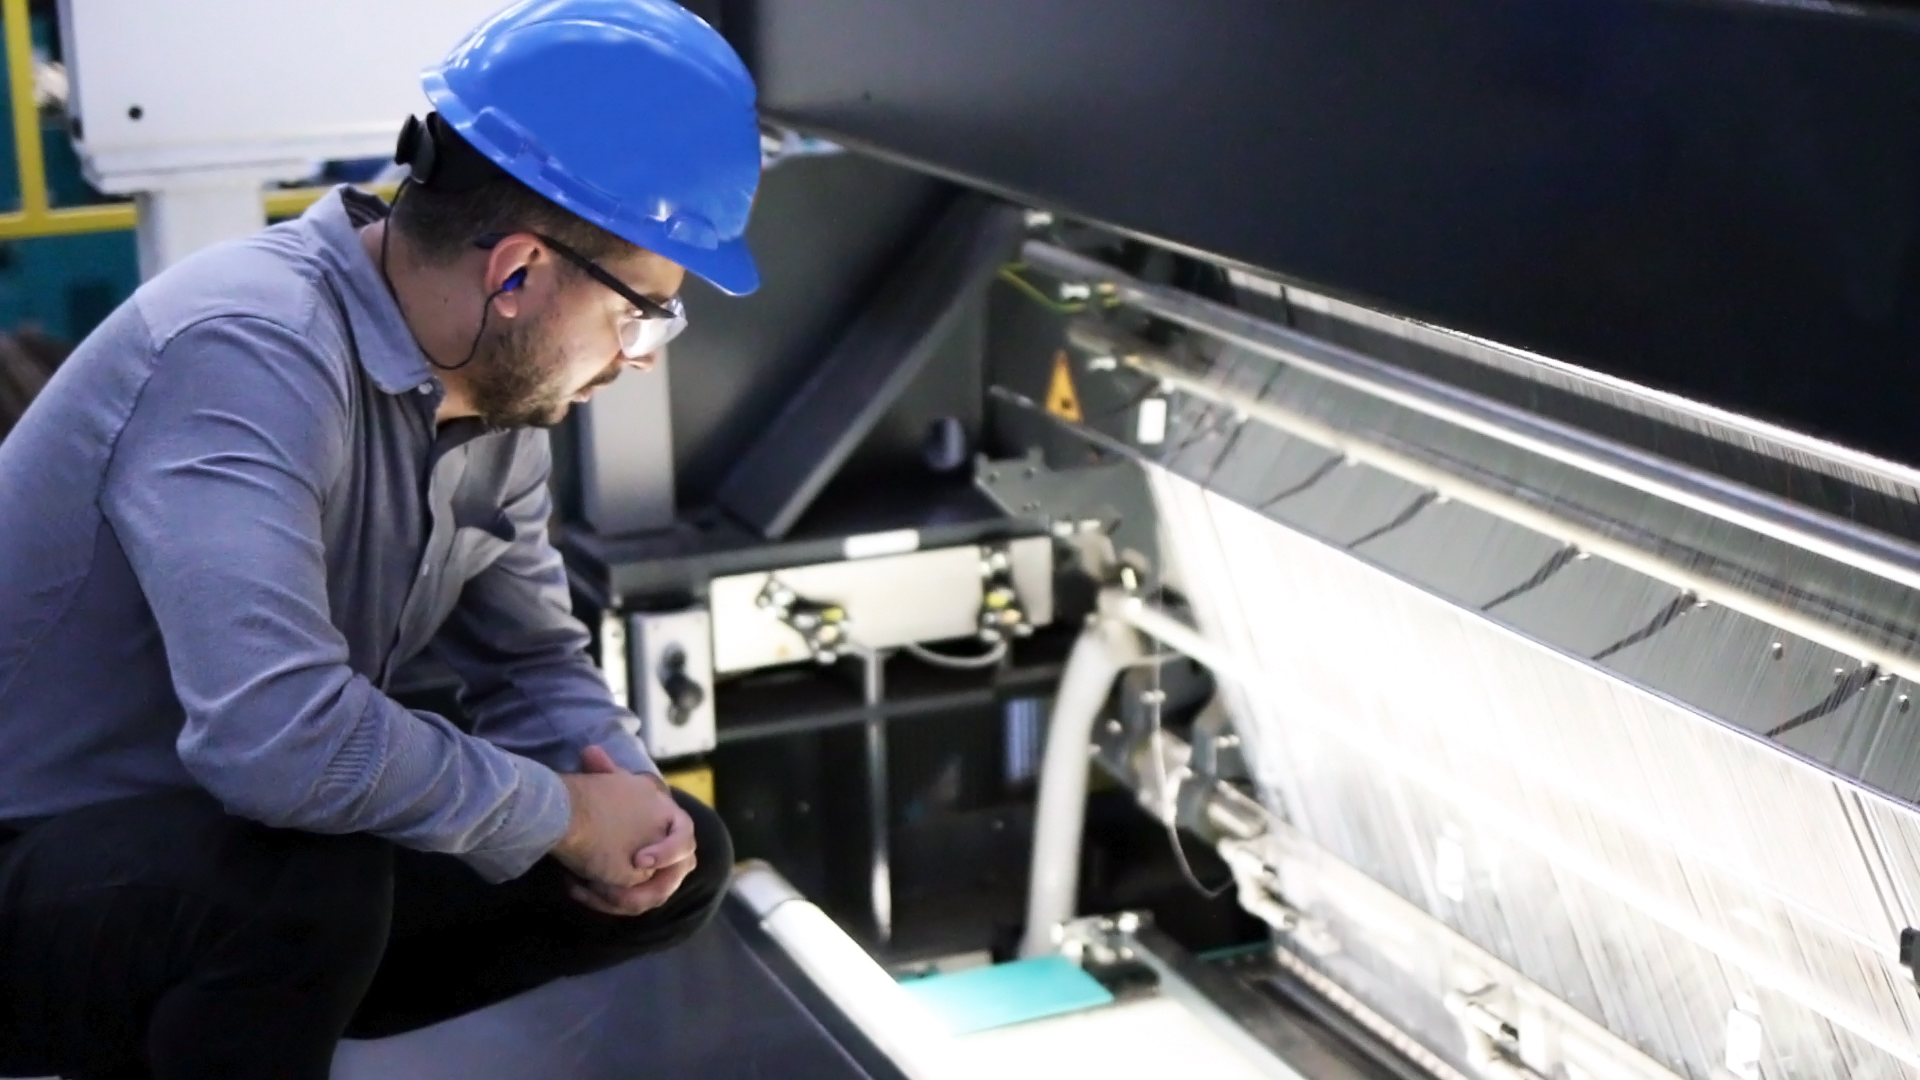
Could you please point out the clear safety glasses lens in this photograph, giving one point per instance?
(641, 336)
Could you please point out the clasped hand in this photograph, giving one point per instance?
(628, 843)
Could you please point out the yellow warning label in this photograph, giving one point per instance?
(697, 782)
(1061, 400)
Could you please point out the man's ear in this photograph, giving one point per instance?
(509, 262)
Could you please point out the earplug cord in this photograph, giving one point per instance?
(513, 282)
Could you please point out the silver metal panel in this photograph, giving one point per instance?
(1588, 606)
(1466, 554)
(626, 454)
(891, 600)
(1725, 664)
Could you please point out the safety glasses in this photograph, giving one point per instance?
(642, 331)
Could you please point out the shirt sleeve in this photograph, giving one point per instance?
(215, 493)
(520, 653)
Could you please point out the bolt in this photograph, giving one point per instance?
(1070, 291)
(1778, 650)
(1904, 702)
(1038, 219)
(1103, 363)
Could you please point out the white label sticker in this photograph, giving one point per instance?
(1253, 283)
(1450, 868)
(1743, 1040)
(1152, 430)
(898, 542)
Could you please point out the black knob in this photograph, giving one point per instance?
(683, 694)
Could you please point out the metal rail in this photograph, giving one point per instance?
(1833, 538)
(1520, 512)
(36, 216)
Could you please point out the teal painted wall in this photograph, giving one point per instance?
(63, 284)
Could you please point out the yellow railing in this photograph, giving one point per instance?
(35, 216)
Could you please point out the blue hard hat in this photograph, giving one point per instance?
(633, 114)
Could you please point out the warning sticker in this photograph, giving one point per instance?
(1061, 399)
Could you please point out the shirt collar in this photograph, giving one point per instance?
(387, 351)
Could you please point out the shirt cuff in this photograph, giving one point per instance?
(536, 820)
(627, 752)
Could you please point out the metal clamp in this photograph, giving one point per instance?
(1493, 1044)
(823, 626)
(1002, 615)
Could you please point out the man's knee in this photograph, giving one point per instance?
(186, 842)
(169, 899)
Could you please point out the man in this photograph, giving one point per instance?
(282, 470)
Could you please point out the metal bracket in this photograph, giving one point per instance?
(921, 301)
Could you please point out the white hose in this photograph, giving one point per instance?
(1105, 647)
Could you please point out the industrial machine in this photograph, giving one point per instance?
(1273, 538)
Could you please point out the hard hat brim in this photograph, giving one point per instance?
(729, 267)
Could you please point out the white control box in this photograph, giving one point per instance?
(199, 85)
(890, 599)
(670, 681)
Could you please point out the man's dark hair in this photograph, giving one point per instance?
(444, 224)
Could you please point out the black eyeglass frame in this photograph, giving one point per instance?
(648, 309)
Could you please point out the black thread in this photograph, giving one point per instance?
(1851, 684)
(1320, 472)
(1555, 563)
(1664, 616)
(1421, 502)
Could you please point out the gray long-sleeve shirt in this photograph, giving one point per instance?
(227, 521)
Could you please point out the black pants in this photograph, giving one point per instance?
(159, 937)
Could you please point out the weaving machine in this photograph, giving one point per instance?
(1524, 395)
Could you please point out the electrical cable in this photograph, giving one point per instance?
(1154, 697)
(958, 663)
(1058, 307)
(1010, 273)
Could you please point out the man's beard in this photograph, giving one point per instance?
(512, 386)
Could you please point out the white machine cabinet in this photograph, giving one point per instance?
(192, 105)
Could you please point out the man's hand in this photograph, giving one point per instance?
(629, 844)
